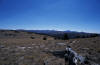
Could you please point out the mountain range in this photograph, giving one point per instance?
(60, 34)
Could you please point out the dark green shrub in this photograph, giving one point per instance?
(55, 38)
(16, 31)
(44, 38)
(94, 35)
(32, 37)
(78, 37)
(65, 37)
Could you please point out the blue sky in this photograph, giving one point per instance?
(76, 15)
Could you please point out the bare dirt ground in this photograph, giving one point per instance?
(23, 48)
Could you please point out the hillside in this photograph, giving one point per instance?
(27, 48)
(60, 34)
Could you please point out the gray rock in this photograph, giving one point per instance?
(61, 44)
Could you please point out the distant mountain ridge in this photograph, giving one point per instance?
(60, 34)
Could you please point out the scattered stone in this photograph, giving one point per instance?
(61, 44)
(2, 46)
(22, 48)
(85, 48)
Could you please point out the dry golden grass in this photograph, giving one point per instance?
(21, 49)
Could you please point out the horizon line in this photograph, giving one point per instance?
(53, 30)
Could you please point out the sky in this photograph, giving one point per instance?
(75, 15)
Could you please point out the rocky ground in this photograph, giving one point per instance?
(23, 50)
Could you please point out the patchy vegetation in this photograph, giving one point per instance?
(24, 49)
